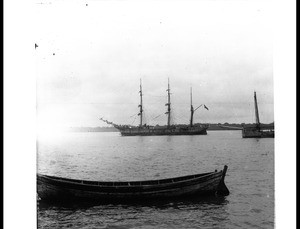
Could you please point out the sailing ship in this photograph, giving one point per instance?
(258, 130)
(146, 130)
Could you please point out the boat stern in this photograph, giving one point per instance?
(222, 189)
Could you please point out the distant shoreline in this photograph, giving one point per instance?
(212, 127)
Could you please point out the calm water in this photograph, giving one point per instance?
(110, 157)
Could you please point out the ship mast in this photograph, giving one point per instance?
(256, 111)
(168, 105)
(192, 110)
(141, 104)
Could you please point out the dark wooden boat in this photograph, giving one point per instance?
(64, 190)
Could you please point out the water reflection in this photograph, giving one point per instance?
(176, 213)
(159, 204)
(169, 138)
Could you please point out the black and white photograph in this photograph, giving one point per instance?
(157, 114)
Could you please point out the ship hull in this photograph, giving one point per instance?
(163, 131)
(250, 133)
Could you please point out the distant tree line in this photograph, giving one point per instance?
(92, 129)
(212, 126)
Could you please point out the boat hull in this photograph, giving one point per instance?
(250, 133)
(162, 131)
(62, 189)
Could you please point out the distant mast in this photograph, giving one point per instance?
(192, 110)
(256, 111)
(169, 105)
(141, 104)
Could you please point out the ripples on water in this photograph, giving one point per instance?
(108, 156)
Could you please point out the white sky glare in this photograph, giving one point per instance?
(90, 58)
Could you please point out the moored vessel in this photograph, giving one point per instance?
(257, 130)
(66, 190)
(146, 130)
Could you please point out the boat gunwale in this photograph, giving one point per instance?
(167, 181)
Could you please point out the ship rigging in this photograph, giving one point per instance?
(145, 130)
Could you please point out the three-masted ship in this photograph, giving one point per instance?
(257, 130)
(146, 130)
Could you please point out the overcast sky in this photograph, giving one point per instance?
(91, 56)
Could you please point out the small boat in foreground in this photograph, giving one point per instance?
(64, 189)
